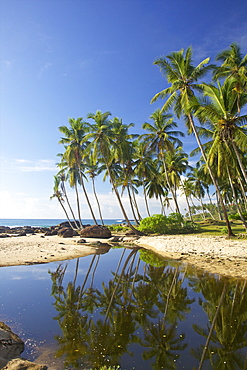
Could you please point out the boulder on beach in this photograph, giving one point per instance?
(96, 231)
(65, 232)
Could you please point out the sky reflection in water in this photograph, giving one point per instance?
(127, 308)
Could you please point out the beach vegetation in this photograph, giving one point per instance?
(153, 163)
(172, 224)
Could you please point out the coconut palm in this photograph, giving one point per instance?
(75, 146)
(198, 186)
(57, 194)
(234, 67)
(69, 173)
(188, 191)
(162, 138)
(183, 76)
(176, 165)
(144, 168)
(93, 170)
(221, 110)
(103, 146)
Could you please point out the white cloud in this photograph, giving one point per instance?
(22, 205)
(27, 165)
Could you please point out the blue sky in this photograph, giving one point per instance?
(63, 58)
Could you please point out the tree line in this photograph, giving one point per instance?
(154, 163)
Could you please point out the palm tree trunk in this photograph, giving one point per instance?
(135, 204)
(239, 160)
(236, 201)
(97, 200)
(212, 327)
(137, 232)
(67, 200)
(230, 233)
(243, 193)
(218, 206)
(202, 207)
(132, 206)
(78, 205)
(169, 185)
(87, 199)
(187, 201)
(145, 198)
(210, 200)
(67, 216)
(162, 205)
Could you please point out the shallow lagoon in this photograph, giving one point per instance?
(126, 307)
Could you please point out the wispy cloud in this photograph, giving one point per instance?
(43, 69)
(28, 165)
(35, 166)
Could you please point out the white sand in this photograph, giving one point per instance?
(214, 254)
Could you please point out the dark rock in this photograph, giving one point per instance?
(22, 234)
(130, 232)
(11, 345)
(4, 229)
(81, 241)
(21, 364)
(51, 232)
(96, 231)
(65, 232)
(4, 235)
(67, 224)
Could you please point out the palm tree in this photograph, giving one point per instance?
(70, 173)
(198, 186)
(162, 138)
(63, 179)
(221, 110)
(183, 76)
(57, 194)
(188, 190)
(176, 164)
(234, 67)
(93, 170)
(144, 168)
(103, 145)
(75, 146)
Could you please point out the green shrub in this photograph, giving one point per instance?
(117, 227)
(235, 216)
(175, 219)
(172, 224)
(224, 230)
(156, 224)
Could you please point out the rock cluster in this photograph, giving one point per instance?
(11, 347)
(64, 230)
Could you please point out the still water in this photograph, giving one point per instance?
(127, 307)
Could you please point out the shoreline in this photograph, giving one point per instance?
(215, 254)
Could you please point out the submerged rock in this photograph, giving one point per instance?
(11, 346)
(21, 364)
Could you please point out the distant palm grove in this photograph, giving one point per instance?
(154, 163)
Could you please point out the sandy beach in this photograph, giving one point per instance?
(213, 254)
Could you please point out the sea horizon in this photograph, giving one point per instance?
(47, 222)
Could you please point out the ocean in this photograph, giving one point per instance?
(46, 222)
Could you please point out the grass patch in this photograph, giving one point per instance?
(213, 227)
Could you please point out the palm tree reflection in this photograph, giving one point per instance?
(141, 307)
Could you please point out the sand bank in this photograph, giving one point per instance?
(214, 254)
